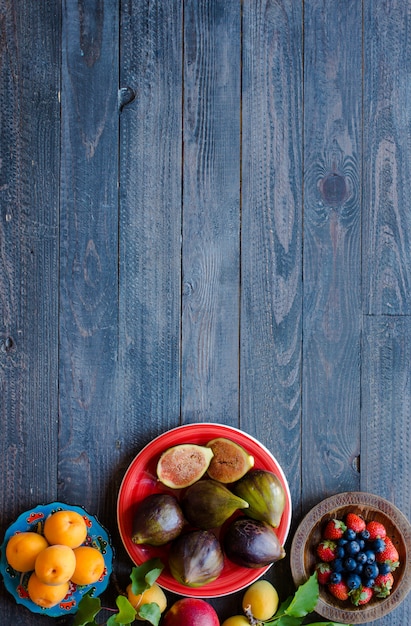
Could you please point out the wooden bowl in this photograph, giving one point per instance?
(303, 558)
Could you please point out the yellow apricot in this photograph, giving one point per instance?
(22, 550)
(152, 594)
(89, 565)
(46, 595)
(236, 620)
(55, 565)
(65, 528)
(262, 599)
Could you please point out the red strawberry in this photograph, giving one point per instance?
(339, 590)
(355, 522)
(390, 554)
(361, 596)
(334, 529)
(326, 550)
(383, 585)
(376, 530)
(323, 572)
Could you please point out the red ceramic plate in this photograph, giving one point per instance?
(140, 481)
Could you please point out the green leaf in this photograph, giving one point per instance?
(143, 576)
(305, 598)
(326, 624)
(288, 620)
(88, 608)
(150, 612)
(284, 605)
(126, 612)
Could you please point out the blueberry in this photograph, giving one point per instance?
(350, 564)
(371, 570)
(361, 558)
(353, 581)
(352, 548)
(370, 556)
(384, 568)
(378, 545)
(368, 582)
(361, 543)
(340, 552)
(337, 565)
(335, 577)
(365, 534)
(341, 541)
(350, 534)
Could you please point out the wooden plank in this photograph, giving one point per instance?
(387, 149)
(386, 437)
(271, 307)
(332, 261)
(271, 229)
(211, 213)
(29, 166)
(150, 220)
(90, 434)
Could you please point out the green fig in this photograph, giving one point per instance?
(265, 495)
(196, 558)
(208, 504)
(251, 543)
(157, 520)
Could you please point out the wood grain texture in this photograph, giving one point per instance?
(211, 211)
(89, 432)
(386, 438)
(271, 229)
(29, 167)
(150, 220)
(203, 216)
(387, 149)
(271, 251)
(332, 261)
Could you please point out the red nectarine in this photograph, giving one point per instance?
(191, 612)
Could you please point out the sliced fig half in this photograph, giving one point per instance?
(230, 461)
(182, 465)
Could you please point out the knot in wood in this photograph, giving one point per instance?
(6, 344)
(334, 188)
(126, 95)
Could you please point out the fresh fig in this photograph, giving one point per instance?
(252, 543)
(265, 495)
(157, 520)
(208, 504)
(230, 461)
(196, 558)
(184, 464)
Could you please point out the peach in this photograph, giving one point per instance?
(55, 565)
(65, 528)
(191, 612)
(22, 550)
(89, 565)
(46, 595)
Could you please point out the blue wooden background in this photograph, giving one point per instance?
(205, 216)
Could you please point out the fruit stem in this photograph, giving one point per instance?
(253, 621)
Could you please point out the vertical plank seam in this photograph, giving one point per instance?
(59, 201)
(302, 241)
(182, 210)
(240, 208)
